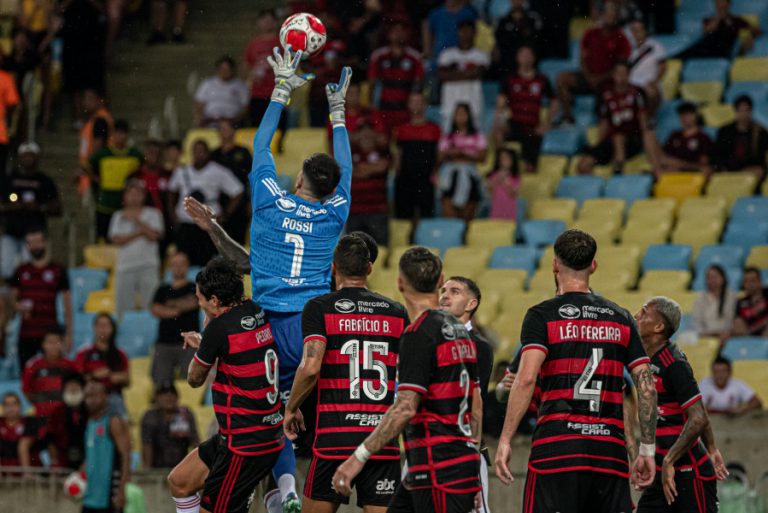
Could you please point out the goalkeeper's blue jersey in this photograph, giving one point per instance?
(292, 240)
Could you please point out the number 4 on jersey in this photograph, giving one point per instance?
(582, 390)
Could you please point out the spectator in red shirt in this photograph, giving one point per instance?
(260, 74)
(752, 309)
(356, 116)
(687, 149)
(103, 361)
(721, 32)
(43, 376)
(518, 108)
(34, 288)
(623, 125)
(398, 71)
(66, 426)
(152, 176)
(601, 48)
(20, 437)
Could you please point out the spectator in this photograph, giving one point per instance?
(43, 376)
(152, 176)
(135, 230)
(102, 361)
(461, 69)
(260, 74)
(356, 115)
(205, 181)
(9, 99)
(687, 149)
(460, 151)
(66, 426)
(168, 431)
(326, 66)
(172, 156)
(623, 124)
(109, 175)
(752, 309)
(520, 27)
(721, 32)
(715, 307)
(159, 17)
(369, 211)
(34, 288)
(175, 304)
(237, 159)
(518, 108)
(96, 132)
(441, 28)
(397, 71)
(503, 185)
(223, 96)
(362, 33)
(724, 394)
(742, 144)
(601, 49)
(27, 198)
(628, 10)
(647, 64)
(20, 436)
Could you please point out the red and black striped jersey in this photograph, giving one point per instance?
(245, 391)
(42, 382)
(677, 390)
(588, 342)
(361, 331)
(438, 360)
(38, 287)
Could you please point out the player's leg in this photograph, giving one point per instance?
(694, 495)
(554, 493)
(233, 479)
(188, 477)
(453, 502)
(608, 493)
(653, 500)
(376, 485)
(410, 501)
(319, 495)
(484, 506)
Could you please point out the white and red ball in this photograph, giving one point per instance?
(74, 485)
(303, 31)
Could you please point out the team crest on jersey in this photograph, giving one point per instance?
(569, 312)
(248, 322)
(344, 306)
(285, 204)
(449, 331)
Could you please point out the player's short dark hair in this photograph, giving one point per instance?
(153, 143)
(687, 108)
(266, 12)
(373, 246)
(322, 174)
(722, 360)
(37, 229)
(121, 125)
(173, 143)
(752, 269)
(166, 387)
(575, 249)
(226, 59)
(13, 395)
(466, 23)
(351, 256)
(203, 143)
(472, 288)
(221, 278)
(743, 99)
(56, 330)
(73, 377)
(421, 268)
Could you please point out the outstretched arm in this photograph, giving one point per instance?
(205, 219)
(336, 94)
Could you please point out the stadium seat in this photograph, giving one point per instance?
(100, 256)
(14, 386)
(717, 114)
(605, 232)
(705, 70)
(552, 166)
(209, 135)
(629, 188)
(759, 47)
(671, 79)
(580, 188)
(756, 90)
(515, 257)
(639, 164)
(542, 232)
(553, 67)
(533, 187)
(547, 255)
(138, 398)
(299, 143)
(137, 333)
(631, 301)
(501, 282)
(244, 137)
(746, 348)
(642, 235)
(83, 281)
(399, 232)
(188, 396)
(542, 281)
(465, 261)
(700, 354)
(83, 329)
(489, 233)
(100, 301)
(607, 281)
(703, 208)
(752, 372)
(561, 141)
(490, 308)
(140, 367)
(697, 233)
(667, 256)
(679, 186)
(731, 186)
(702, 92)
(749, 69)
(686, 299)
(653, 211)
(191, 274)
(758, 257)
(724, 255)
(440, 233)
(664, 282)
(746, 234)
(753, 208)
(382, 279)
(560, 209)
(602, 209)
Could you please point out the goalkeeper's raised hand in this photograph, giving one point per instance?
(337, 96)
(286, 79)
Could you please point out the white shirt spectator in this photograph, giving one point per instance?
(644, 63)
(222, 99)
(211, 181)
(706, 313)
(735, 393)
(140, 252)
(463, 91)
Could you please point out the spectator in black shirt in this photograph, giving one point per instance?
(27, 198)
(237, 159)
(741, 145)
(168, 431)
(66, 427)
(721, 32)
(176, 306)
(520, 27)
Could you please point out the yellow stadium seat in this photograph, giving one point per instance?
(679, 186)
(382, 279)
(383, 257)
(604, 233)
(700, 355)
(484, 38)
(209, 135)
(625, 256)
(686, 299)
(488, 310)
(717, 115)
(631, 301)
(542, 281)
(671, 80)
(545, 260)
(764, 188)
(365, 94)
(298, 144)
(609, 281)
(697, 233)
(643, 234)
(489, 233)
(399, 233)
(653, 210)
(244, 137)
(601, 208)
(552, 166)
(753, 373)
(637, 165)
(605, 172)
(758, 257)
(573, 164)
(501, 282)
(204, 418)
(578, 26)
(139, 367)
(731, 186)
(247, 287)
(100, 256)
(465, 261)
(506, 328)
(593, 135)
(533, 187)
(100, 301)
(138, 397)
(706, 207)
(663, 282)
(702, 92)
(749, 69)
(563, 209)
(752, 19)
(188, 396)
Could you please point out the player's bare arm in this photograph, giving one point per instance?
(303, 384)
(476, 421)
(708, 437)
(644, 468)
(630, 424)
(695, 423)
(122, 437)
(197, 374)
(205, 219)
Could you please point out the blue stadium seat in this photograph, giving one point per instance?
(706, 70)
(191, 274)
(732, 275)
(83, 281)
(60, 310)
(746, 233)
(724, 255)
(137, 333)
(440, 233)
(754, 208)
(674, 43)
(434, 115)
(758, 91)
(14, 386)
(667, 256)
(9, 368)
(553, 67)
(746, 348)
(580, 188)
(542, 232)
(629, 187)
(490, 91)
(515, 257)
(562, 141)
(667, 120)
(83, 329)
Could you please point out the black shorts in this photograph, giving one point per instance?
(430, 500)
(375, 484)
(86, 509)
(530, 141)
(603, 152)
(207, 450)
(576, 492)
(233, 479)
(693, 496)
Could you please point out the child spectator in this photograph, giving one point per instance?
(20, 436)
(43, 376)
(66, 426)
(722, 393)
(687, 149)
(171, 156)
(503, 185)
(168, 431)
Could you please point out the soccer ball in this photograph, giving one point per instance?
(305, 32)
(74, 485)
